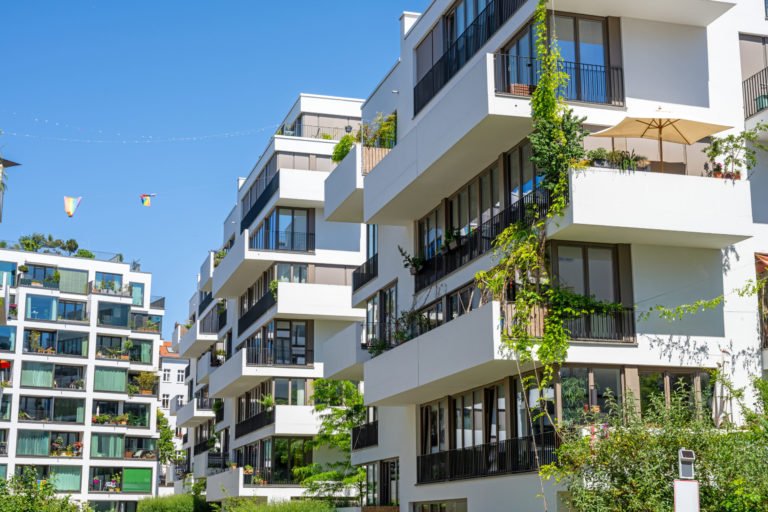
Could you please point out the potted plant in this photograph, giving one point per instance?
(273, 288)
(23, 269)
(212, 442)
(128, 454)
(413, 263)
(146, 382)
(267, 402)
(121, 419)
(125, 355)
(78, 446)
(376, 347)
(247, 469)
(738, 151)
(70, 451)
(218, 256)
(79, 384)
(5, 383)
(451, 239)
(132, 389)
(13, 311)
(598, 157)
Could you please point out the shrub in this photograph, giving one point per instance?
(343, 147)
(173, 503)
(251, 505)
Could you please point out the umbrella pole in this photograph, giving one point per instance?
(661, 150)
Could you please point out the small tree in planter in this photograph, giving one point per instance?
(146, 382)
(737, 151)
(127, 346)
(267, 402)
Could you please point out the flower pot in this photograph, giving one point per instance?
(453, 245)
(717, 174)
(521, 89)
(413, 270)
(128, 454)
(146, 391)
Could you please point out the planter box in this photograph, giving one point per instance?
(521, 89)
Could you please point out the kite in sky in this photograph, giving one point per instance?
(146, 199)
(71, 204)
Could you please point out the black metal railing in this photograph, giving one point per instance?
(279, 354)
(288, 241)
(509, 456)
(217, 461)
(268, 476)
(260, 202)
(479, 241)
(209, 324)
(222, 317)
(204, 303)
(365, 272)
(755, 93)
(365, 435)
(254, 423)
(589, 83)
(203, 402)
(477, 33)
(255, 312)
(202, 447)
(314, 132)
(613, 326)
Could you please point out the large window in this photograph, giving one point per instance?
(41, 307)
(285, 229)
(291, 272)
(588, 270)
(106, 446)
(477, 202)
(63, 478)
(291, 343)
(112, 380)
(7, 273)
(114, 315)
(64, 410)
(381, 316)
(522, 177)
(107, 281)
(49, 375)
(7, 338)
(40, 273)
(589, 390)
(137, 294)
(70, 310)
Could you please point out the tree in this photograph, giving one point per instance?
(730, 461)
(84, 253)
(340, 405)
(22, 492)
(165, 448)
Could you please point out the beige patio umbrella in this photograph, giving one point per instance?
(669, 129)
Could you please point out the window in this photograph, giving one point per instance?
(165, 400)
(73, 281)
(430, 233)
(110, 380)
(291, 272)
(69, 310)
(166, 375)
(40, 273)
(180, 376)
(179, 400)
(463, 301)
(285, 229)
(7, 338)
(107, 281)
(41, 308)
(583, 48)
(106, 446)
(381, 316)
(441, 506)
(590, 390)
(694, 387)
(110, 347)
(372, 240)
(141, 322)
(7, 273)
(475, 203)
(114, 315)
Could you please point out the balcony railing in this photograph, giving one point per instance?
(217, 462)
(477, 33)
(365, 435)
(207, 299)
(254, 423)
(365, 272)
(505, 457)
(110, 288)
(266, 476)
(204, 403)
(755, 93)
(616, 326)
(589, 83)
(255, 312)
(480, 240)
(314, 132)
(287, 241)
(39, 283)
(260, 202)
(279, 355)
(202, 447)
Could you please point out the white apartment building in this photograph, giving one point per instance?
(266, 306)
(461, 90)
(81, 339)
(172, 385)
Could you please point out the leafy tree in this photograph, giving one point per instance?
(343, 147)
(22, 492)
(174, 503)
(165, 449)
(340, 405)
(730, 462)
(84, 253)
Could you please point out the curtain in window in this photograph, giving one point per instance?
(65, 478)
(38, 375)
(73, 281)
(32, 442)
(110, 379)
(69, 410)
(107, 446)
(137, 480)
(146, 351)
(137, 292)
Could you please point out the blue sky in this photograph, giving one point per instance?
(81, 77)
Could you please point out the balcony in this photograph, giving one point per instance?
(308, 301)
(194, 413)
(365, 272)
(206, 272)
(194, 342)
(588, 83)
(365, 436)
(308, 131)
(110, 288)
(755, 89)
(247, 368)
(254, 423)
(505, 457)
(206, 365)
(344, 353)
(467, 352)
(480, 241)
(228, 484)
(654, 209)
(49, 284)
(344, 186)
(204, 303)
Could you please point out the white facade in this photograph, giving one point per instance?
(172, 384)
(666, 238)
(70, 404)
(266, 304)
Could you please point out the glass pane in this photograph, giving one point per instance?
(527, 168)
(41, 308)
(107, 446)
(514, 177)
(7, 337)
(601, 274)
(36, 375)
(110, 380)
(574, 384)
(591, 42)
(570, 262)
(137, 480)
(281, 391)
(607, 384)
(651, 388)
